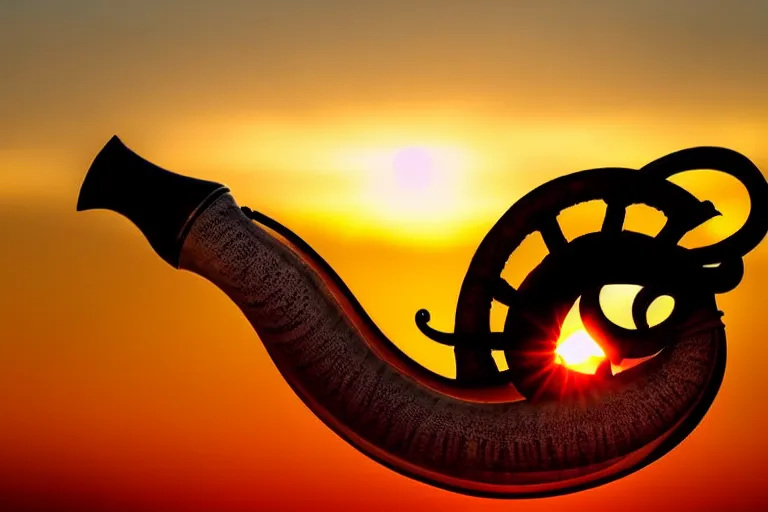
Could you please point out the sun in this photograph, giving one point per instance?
(576, 349)
(579, 352)
(415, 182)
(413, 170)
(414, 189)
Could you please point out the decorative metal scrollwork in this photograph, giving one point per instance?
(583, 266)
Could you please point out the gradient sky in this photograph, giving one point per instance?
(124, 384)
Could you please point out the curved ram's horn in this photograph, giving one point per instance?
(351, 378)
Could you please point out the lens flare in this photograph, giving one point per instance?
(579, 352)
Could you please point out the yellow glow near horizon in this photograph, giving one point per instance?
(339, 168)
(413, 186)
(404, 179)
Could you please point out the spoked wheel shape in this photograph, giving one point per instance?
(583, 266)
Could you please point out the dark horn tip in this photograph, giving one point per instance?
(90, 190)
(162, 204)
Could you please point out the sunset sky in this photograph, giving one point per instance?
(391, 136)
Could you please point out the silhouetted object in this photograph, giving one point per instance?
(162, 204)
(474, 434)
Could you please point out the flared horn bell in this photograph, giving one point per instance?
(162, 204)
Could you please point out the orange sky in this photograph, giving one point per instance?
(124, 383)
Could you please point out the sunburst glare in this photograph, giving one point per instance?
(580, 352)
